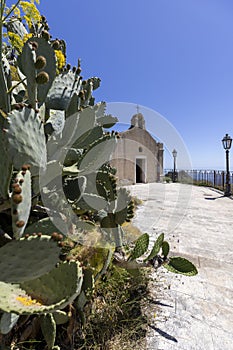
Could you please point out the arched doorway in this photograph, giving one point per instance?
(140, 170)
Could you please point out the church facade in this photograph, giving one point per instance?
(138, 158)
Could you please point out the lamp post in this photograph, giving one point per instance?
(174, 153)
(226, 141)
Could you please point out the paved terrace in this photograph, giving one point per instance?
(190, 313)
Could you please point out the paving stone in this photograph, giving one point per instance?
(192, 313)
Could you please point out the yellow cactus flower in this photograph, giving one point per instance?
(26, 37)
(28, 301)
(32, 14)
(61, 61)
(16, 41)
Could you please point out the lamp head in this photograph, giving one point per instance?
(226, 142)
(174, 153)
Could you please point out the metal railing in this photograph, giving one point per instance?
(213, 178)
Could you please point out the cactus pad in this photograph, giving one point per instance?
(78, 127)
(99, 153)
(140, 247)
(91, 136)
(24, 259)
(50, 292)
(8, 321)
(109, 182)
(74, 187)
(27, 61)
(91, 201)
(165, 249)
(181, 265)
(62, 90)
(60, 317)
(156, 248)
(107, 121)
(122, 201)
(45, 50)
(87, 289)
(48, 327)
(44, 225)
(55, 123)
(25, 134)
(72, 157)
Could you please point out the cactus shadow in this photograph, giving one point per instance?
(164, 334)
(156, 302)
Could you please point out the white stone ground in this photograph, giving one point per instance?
(192, 313)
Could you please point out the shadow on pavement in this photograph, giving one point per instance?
(213, 198)
(159, 303)
(164, 334)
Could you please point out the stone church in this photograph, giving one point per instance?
(138, 158)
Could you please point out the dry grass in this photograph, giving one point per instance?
(116, 320)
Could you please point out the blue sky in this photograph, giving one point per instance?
(172, 56)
